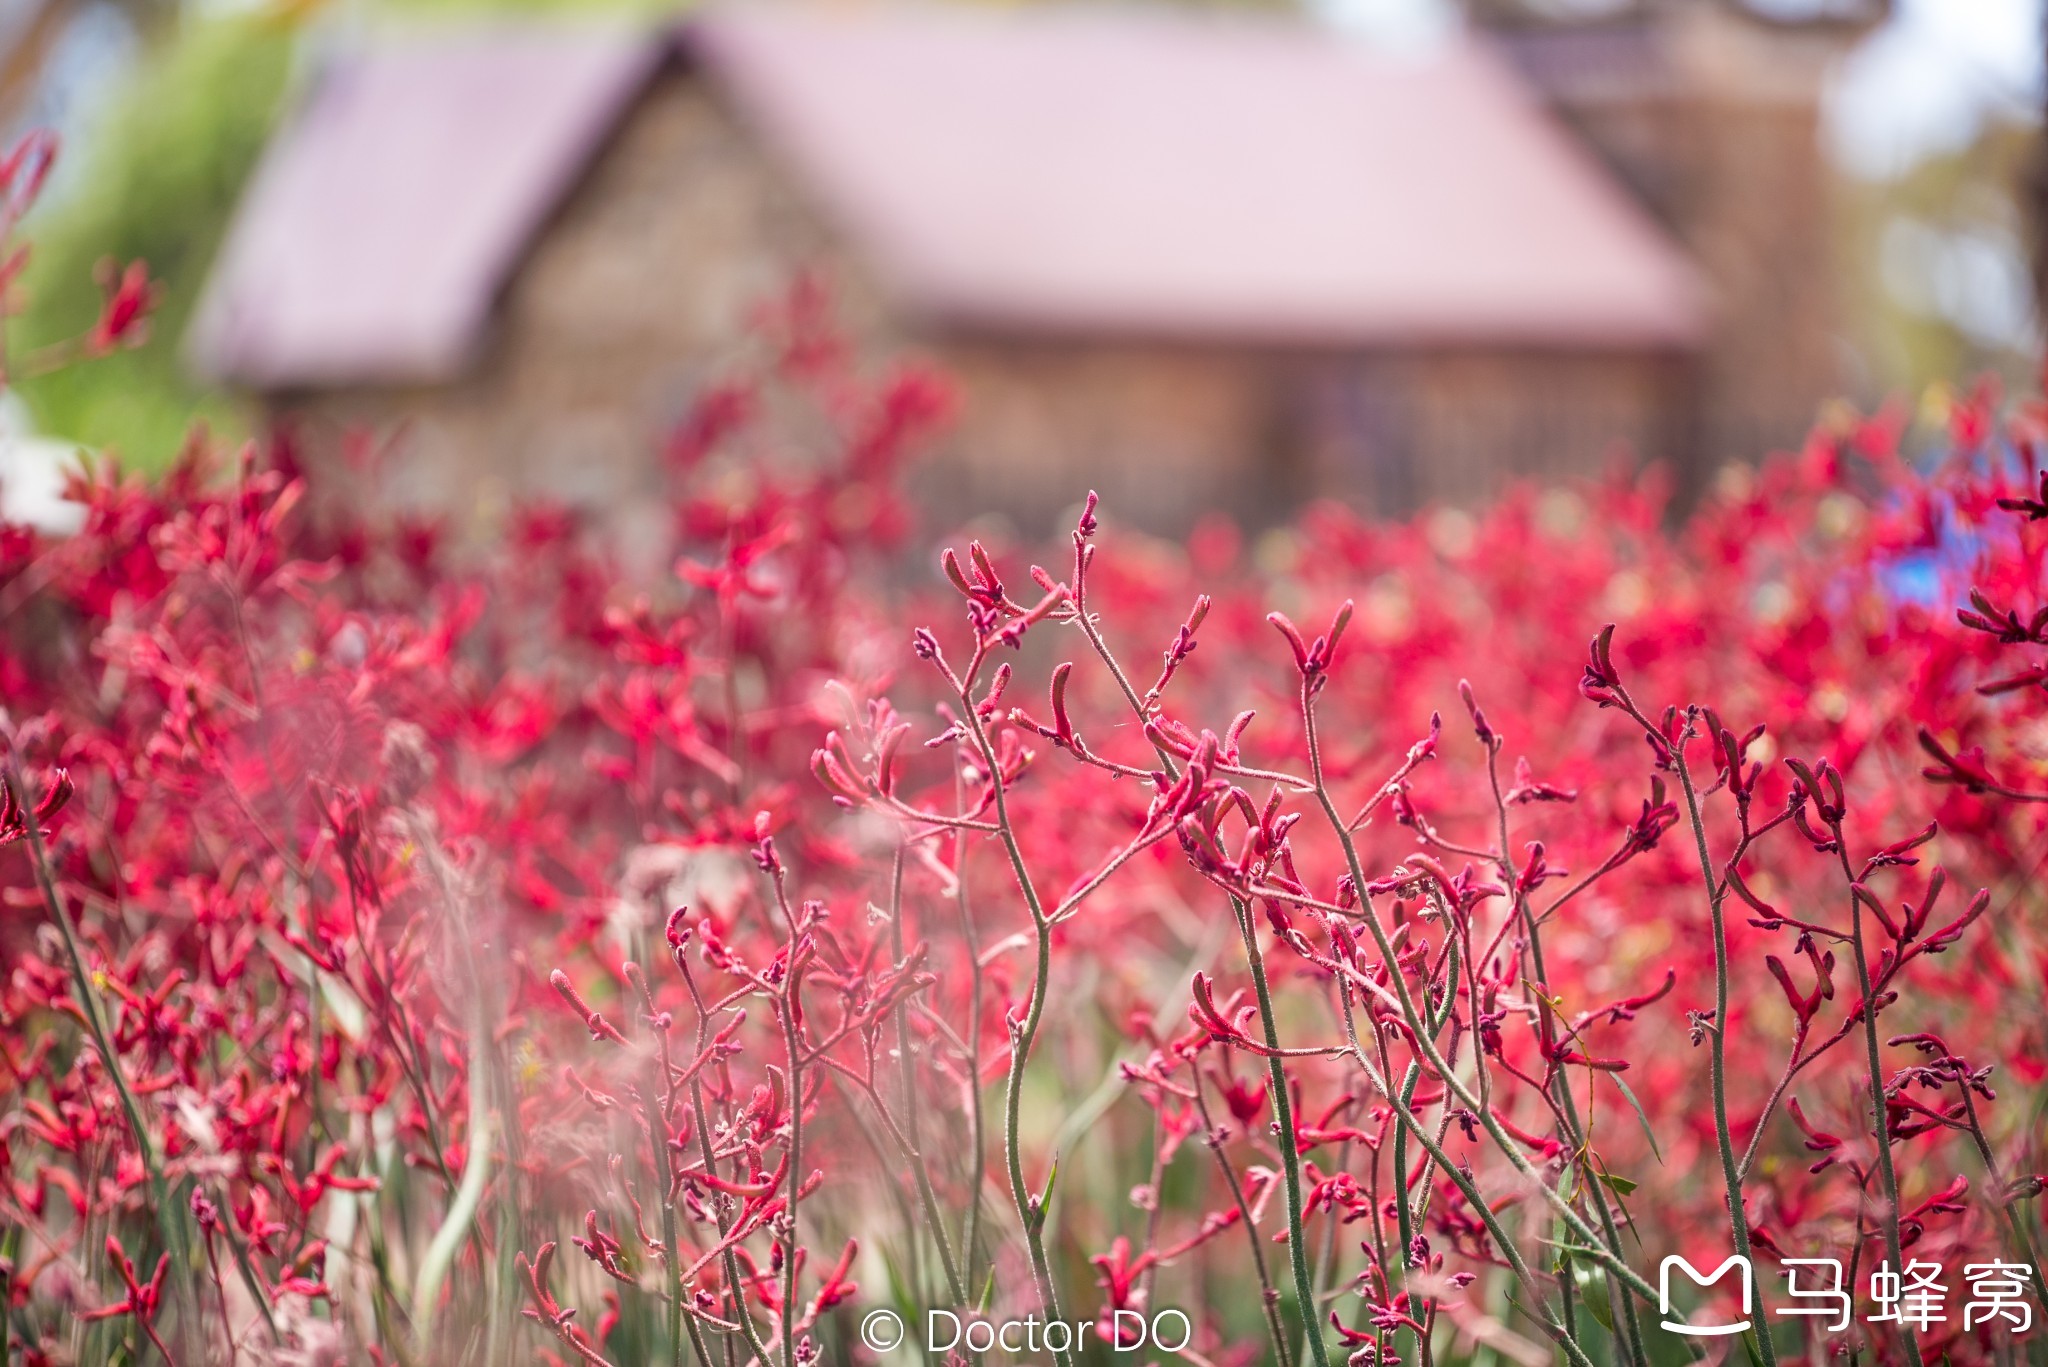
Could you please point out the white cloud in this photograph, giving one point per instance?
(1402, 25)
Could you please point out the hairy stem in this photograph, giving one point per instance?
(913, 1148)
(796, 1164)
(1717, 1038)
(1412, 1017)
(1290, 1158)
(1462, 1179)
(970, 1234)
(1880, 1125)
(736, 1299)
(1030, 1211)
(1571, 1130)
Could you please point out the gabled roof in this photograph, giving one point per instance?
(391, 208)
(1196, 177)
(1065, 171)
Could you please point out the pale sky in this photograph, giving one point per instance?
(1926, 82)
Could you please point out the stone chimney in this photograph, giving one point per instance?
(1710, 111)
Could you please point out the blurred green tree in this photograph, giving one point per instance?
(156, 181)
(156, 177)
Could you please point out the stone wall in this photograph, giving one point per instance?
(628, 303)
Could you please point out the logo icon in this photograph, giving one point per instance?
(1739, 1263)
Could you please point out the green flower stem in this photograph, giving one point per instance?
(1731, 1176)
(1290, 1158)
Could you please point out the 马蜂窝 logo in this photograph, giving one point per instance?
(1736, 1261)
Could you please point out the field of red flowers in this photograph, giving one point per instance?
(1302, 950)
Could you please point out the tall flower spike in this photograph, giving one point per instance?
(1285, 626)
(1062, 725)
(1313, 659)
(1087, 525)
(1488, 737)
(14, 823)
(1323, 653)
(950, 562)
(1600, 683)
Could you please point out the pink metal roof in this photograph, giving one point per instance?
(387, 214)
(1060, 170)
(1201, 177)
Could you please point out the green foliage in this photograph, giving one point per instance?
(1970, 198)
(159, 182)
(160, 179)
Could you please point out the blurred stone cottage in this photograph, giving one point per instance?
(1193, 261)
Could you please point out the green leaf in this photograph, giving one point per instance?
(1648, 1133)
(1621, 1186)
(1043, 1201)
(1592, 1284)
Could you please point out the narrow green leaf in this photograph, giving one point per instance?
(1648, 1133)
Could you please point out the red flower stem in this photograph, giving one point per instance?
(1793, 1064)
(920, 1171)
(1071, 903)
(789, 1009)
(399, 1040)
(227, 1323)
(150, 1330)
(1269, 1295)
(1290, 1158)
